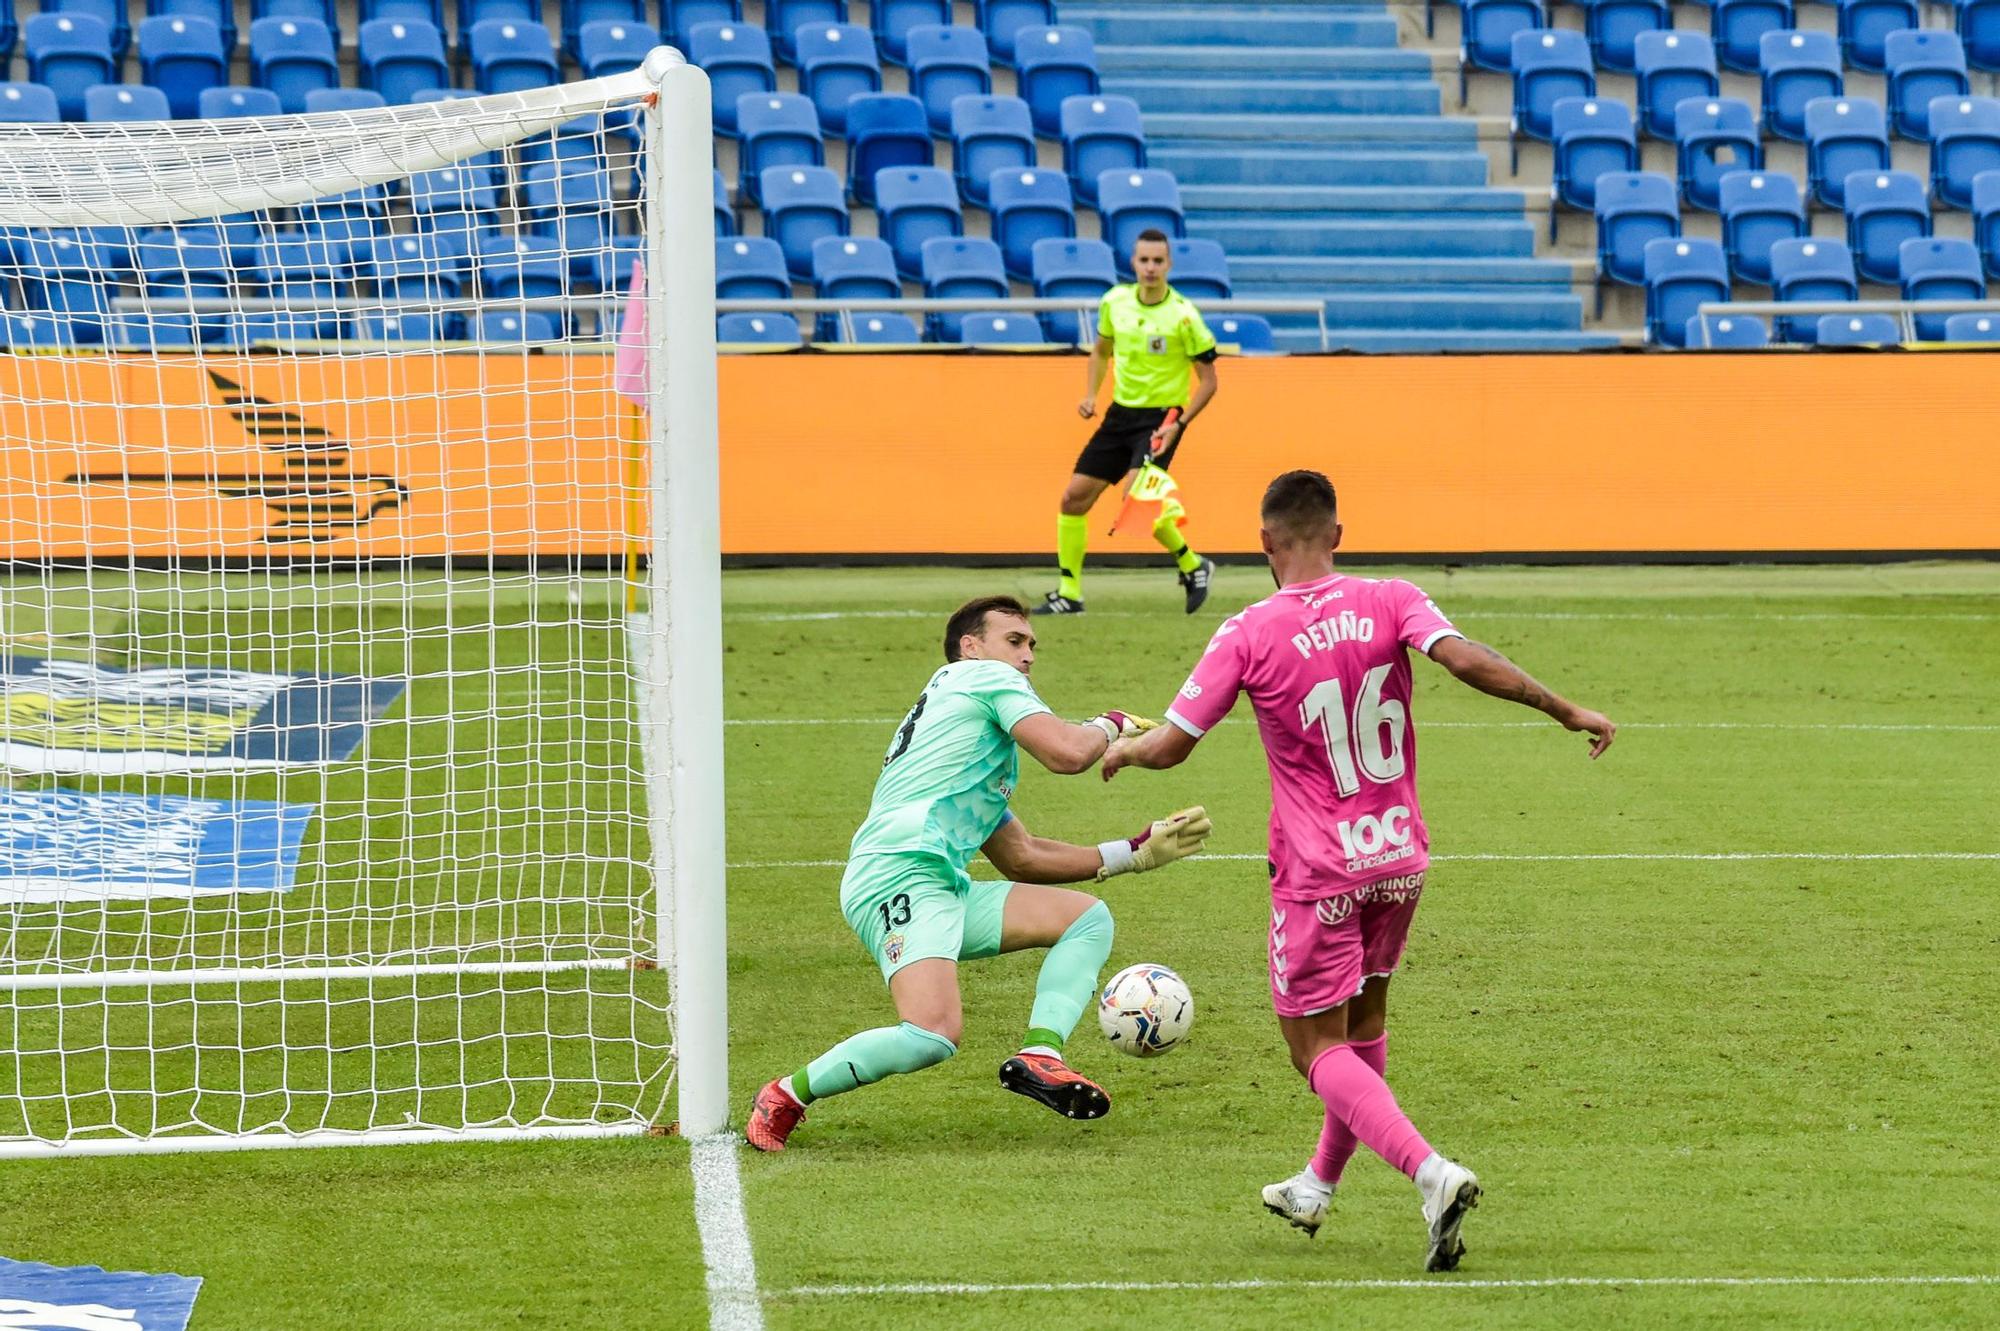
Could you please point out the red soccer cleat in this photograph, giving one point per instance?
(773, 1115)
(1050, 1081)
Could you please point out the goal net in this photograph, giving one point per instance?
(360, 701)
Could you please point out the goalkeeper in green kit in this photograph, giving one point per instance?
(941, 799)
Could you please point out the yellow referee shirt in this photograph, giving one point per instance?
(1153, 345)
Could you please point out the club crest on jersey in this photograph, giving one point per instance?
(892, 948)
(1156, 345)
(1334, 910)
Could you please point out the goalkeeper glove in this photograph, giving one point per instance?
(1174, 837)
(1121, 725)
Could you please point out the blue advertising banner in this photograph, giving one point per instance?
(75, 716)
(65, 845)
(38, 1297)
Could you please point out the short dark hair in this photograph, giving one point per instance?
(1153, 234)
(971, 618)
(1300, 503)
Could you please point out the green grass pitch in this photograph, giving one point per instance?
(1757, 1068)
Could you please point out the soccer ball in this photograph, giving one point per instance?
(1145, 1010)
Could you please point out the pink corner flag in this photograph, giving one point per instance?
(630, 372)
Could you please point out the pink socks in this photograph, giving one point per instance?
(1336, 1143)
(1356, 1095)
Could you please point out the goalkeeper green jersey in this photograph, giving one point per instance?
(952, 764)
(1152, 345)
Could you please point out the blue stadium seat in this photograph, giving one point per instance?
(1634, 208)
(1971, 327)
(777, 330)
(523, 267)
(1682, 273)
(344, 99)
(111, 13)
(132, 330)
(181, 56)
(1029, 206)
(752, 268)
(1797, 67)
(1727, 332)
(9, 32)
(1079, 269)
(801, 204)
(1759, 209)
(1979, 28)
(1810, 269)
(323, 11)
(369, 326)
(224, 103)
(1843, 135)
(472, 13)
(69, 54)
(1713, 136)
(1965, 141)
(1050, 64)
(125, 101)
(1200, 269)
(1922, 65)
(679, 17)
(510, 55)
(69, 276)
(880, 330)
(1939, 268)
(778, 129)
(1132, 201)
(893, 20)
(27, 104)
(836, 64)
(1000, 330)
(417, 267)
(1884, 209)
(400, 58)
(355, 217)
(615, 263)
(987, 135)
(1592, 137)
(1099, 134)
(946, 64)
(516, 326)
(1672, 66)
(578, 14)
(191, 263)
(1250, 334)
(424, 11)
(784, 18)
(960, 268)
(1864, 26)
(464, 199)
(725, 216)
(301, 266)
(292, 57)
(737, 59)
(1549, 64)
(1738, 28)
(1486, 34)
(1612, 25)
(884, 129)
(1986, 218)
(609, 46)
(572, 202)
(1001, 19)
(915, 204)
(851, 268)
(33, 332)
(1858, 330)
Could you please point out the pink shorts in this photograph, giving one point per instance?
(1322, 951)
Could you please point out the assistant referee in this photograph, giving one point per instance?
(1155, 334)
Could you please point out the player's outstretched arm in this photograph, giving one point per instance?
(1067, 748)
(1488, 671)
(1167, 746)
(1026, 858)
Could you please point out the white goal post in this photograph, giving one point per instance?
(361, 693)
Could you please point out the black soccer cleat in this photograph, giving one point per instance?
(1196, 584)
(1055, 603)
(1050, 1081)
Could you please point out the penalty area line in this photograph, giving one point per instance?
(1442, 1284)
(734, 1303)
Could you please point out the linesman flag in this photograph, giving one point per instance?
(629, 372)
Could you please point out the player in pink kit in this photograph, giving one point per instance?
(1326, 664)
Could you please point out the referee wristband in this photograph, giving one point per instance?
(1118, 858)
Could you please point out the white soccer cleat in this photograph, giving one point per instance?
(1449, 1190)
(1301, 1200)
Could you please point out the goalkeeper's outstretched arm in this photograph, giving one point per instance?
(1026, 858)
(1067, 748)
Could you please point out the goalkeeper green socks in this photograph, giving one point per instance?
(1069, 979)
(1167, 531)
(861, 1060)
(1072, 538)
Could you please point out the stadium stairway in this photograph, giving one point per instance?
(1314, 146)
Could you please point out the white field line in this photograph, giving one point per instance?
(1440, 1284)
(1892, 727)
(733, 1300)
(1827, 856)
(1470, 616)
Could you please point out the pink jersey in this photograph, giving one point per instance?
(1326, 668)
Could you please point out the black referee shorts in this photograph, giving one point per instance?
(1123, 440)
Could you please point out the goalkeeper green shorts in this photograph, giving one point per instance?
(910, 907)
